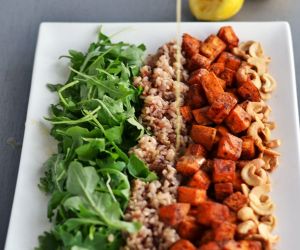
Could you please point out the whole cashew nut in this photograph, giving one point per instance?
(271, 161)
(243, 49)
(260, 200)
(265, 231)
(246, 228)
(268, 83)
(246, 213)
(259, 111)
(253, 131)
(245, 73)
(254, 174)
(260, 64)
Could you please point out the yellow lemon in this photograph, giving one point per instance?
(215, 10)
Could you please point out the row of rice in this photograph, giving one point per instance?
(158, 80)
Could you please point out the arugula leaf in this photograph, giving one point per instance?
(95, 124)
(138, 169)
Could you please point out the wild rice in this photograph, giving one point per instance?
(158, 150)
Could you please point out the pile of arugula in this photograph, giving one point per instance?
(95, 125)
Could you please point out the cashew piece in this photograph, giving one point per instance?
(260, 200)
(253, 131)
(245, 189)
(246, 213)
(271, 161)
(268, 83)
(260, 64)
(265, 232)
(246, 227)
(259, 111)
(245, 73)
(253, 173)
(243, 49)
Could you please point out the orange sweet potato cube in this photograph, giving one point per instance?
(193, 196)
(212, 47)
(188, 228)
(230, 147)
(248, 148)
(186, 113)
(224, 231)
(212, 86)
(228, 76)
(238, 181)
(227, 34)
(223, 170)
(190, 45)
(243, 245)
(217, 68)
(198, 61)
(248, 91)
(199, 180)
(174, 213)
(200, 116)
(187, 165)
(196, 96)
(183, 245)
(196, 150)
(203, 135)
(221, 107)
(223, 190)
(210, 246)
(232, 217)
(195, 77)
(236, 201)
(230, 61)
(238, 120)
(210, 213)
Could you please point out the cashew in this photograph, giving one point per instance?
(260, 200)
(265, 231)
(245, 73)
(245, 189)
(253, 173)
(269, 220)
(265, 134)
(260, 64)
(268, 83)
(273, 143)
(246, 213)
(253, 131)
(246, 227)
(271, 161)
(259, 111)
(256, 50)
(243, 49)
(265, 96)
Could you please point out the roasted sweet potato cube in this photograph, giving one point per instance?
(200, 116)
(238, 181)
(243, 245)
(230, 147)
(248, 91)
(183, 245)
(199, 180)
(223, 190)
(238, 120)
(223, 170)
(193, 196)
(232, 217)
(186, 113)
(227, 34)
(207, 236)
(189, 228)
(217, 68)
(221, 107)
(210, 213)
(196, 150)
(188, 164)
(212, 47)
(236, 201)
(248, 148)
(210, 246)
(212, 86)
(196, 96)
(228, 76)
(203, 135)
(195, 77)
(190, 45)
(174, 213)
(224, 231)
(198, 61)
(230, 61)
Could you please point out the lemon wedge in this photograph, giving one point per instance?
(215, 10)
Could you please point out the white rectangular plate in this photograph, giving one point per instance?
(28, 217)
